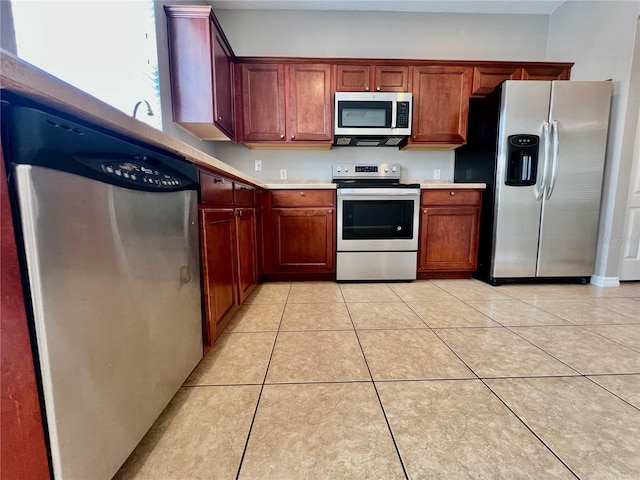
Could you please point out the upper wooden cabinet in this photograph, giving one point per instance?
(487, 77)
(286, 105)
(440, 106)
(546, 72)
(200, 61)
(365, 78)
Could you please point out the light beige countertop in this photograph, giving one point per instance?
(425, 184)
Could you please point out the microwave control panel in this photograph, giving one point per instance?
(402, 115)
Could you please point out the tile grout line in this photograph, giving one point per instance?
(375, 389)
(255, 411)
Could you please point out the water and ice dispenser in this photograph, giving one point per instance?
(522, 160)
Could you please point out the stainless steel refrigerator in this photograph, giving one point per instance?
(540, 148)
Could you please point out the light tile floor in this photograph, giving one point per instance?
(447, 379)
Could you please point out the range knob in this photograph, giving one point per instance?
(386, 169)
(394, 169)
(346, 169)
(338, 169)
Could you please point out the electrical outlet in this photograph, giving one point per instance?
(258, 165)
(436, 174)
(283, 174)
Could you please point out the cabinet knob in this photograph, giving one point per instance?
(302, 194)
(378, 88)
(281, 136)
(366, 89)
(424, 211)
(452, 193)
(239, 213)
(218, 180)
(293, 137)
(219, 118)
(330, 211)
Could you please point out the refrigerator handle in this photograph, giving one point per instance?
(542, 182)
(555, 133)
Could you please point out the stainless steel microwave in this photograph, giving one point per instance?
(373, 114)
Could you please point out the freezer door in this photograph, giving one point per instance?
(115, 285)
(579, 115)
(524, 109)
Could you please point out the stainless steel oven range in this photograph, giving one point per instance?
(377, 230)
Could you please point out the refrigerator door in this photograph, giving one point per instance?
(579, 114)
(115, 285)
(524, 110)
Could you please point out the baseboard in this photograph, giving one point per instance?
(605, 281)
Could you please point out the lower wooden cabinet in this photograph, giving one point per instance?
(218, 229)
(246, 230)
(449, 228)
(302, 232)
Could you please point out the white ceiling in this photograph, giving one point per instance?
(535, 7)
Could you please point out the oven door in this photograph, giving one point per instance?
(377, 219)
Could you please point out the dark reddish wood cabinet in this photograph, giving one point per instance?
(486, 79)
(365, 78)
(302, 226)
(449, 229)
(286, 105)
(440, 106)
(201, 66)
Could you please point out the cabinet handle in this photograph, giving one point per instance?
(281, 136)
(366, 89)
(378, 88)
(293, 137)
(218, 180)
(424, 211)
(330, 211)
(242, 187)
(452, 193)
(239, 213)
(302, 194)
(219, 118)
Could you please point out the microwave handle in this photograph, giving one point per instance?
(394, 112)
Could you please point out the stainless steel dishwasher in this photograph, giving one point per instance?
(110, 237)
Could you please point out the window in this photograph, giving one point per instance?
(106, 48)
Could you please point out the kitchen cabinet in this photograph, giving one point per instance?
(201, 69)
(546, 72)
(486, 78)
(449, 230)
(440, 106)
(365, 78)
(229, 249)
(286, 105)
(302, 226)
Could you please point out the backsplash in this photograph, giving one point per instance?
(315, 165)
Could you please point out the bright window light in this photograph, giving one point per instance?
(106, 48)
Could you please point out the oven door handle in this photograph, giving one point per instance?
(377, 192)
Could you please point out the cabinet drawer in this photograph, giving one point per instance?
(243, 195)
(303, 198)
(452, 196)
(215, 189)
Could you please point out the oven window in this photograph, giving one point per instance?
(377, 219)
(353, 114)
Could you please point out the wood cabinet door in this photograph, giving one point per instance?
(486, 79)
(263, 104)
(218, 269)
(546, 72)
(440, 104)
(309, 104)
(448, 238)
(353, 78)
(391, 78)
(303, 240)
(222, 83)
(246, 231)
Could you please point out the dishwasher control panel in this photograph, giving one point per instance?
(140, 174)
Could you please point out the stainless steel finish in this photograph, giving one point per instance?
(393, 97)
(569, 223)
(115, 283)
(554, 169)
(525, 106)
(347, 171)
(542, 172)
(385, 194)
(367, 266)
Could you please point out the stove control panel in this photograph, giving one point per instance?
(354, 171)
